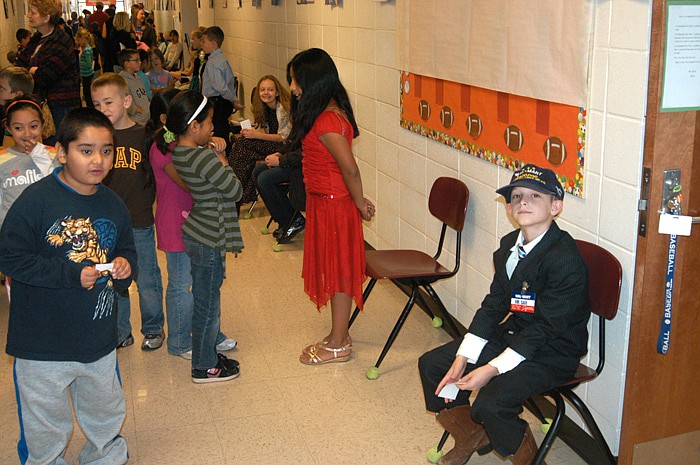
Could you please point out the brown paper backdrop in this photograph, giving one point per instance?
(533, 48)
(503, 80)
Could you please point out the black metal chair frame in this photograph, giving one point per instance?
(416, 283)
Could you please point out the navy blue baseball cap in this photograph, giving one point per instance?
(540, 179)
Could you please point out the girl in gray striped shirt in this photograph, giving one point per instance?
(211, 229)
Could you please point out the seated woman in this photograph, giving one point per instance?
(271, 104)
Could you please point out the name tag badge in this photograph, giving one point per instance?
(523, 302)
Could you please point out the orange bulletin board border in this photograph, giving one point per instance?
(505, 129)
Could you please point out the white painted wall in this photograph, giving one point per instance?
(8, 27)
(206, 14)
(398, 167)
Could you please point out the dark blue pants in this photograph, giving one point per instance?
(267, 181)
(498, 404)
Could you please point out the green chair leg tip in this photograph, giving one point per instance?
(247, 215)
(544, 427)
(372, 373)
(277, 247)
(437, 322)
(434, 455)
(265, 230)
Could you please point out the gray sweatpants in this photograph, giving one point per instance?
(44, 394)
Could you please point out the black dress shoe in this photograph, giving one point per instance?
(277, 233)
(295, 228)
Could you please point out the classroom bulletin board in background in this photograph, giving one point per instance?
(503, 80)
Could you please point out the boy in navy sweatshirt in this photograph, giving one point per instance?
(67, 242)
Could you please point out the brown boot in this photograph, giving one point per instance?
(468, 436)
(527, 450)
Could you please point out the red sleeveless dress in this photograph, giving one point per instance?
(334, 248)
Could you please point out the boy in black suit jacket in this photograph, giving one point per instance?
(526, 338)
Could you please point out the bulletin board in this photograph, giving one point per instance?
(503, 80)
(505, 129)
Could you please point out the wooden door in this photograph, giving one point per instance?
(661, 414)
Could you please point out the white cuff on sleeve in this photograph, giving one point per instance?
(508, 360)
(471, 347)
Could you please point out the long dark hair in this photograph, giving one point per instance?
(180, 110)
(159, 106)
(24, 102)
(148, 36)
(316, 74)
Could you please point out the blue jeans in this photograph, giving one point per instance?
(179, 304)
(150, 288)
(207, 278)
(268, 180)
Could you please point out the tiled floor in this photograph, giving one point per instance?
(279, 411)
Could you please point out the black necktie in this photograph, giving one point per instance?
(521, 252)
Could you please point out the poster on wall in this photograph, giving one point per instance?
(7, 11)
(505, 129)
(681, 84)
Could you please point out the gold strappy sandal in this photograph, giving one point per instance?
(322, 343)
(314, 351)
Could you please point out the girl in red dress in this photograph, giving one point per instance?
(334, 251)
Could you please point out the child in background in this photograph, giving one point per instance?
(210, 230)
(196, 58)
(173, 205)
(173, 53)
(143, 72)
(131, 63)
(157, 76)
(86, 59)
(217, 81)
(271, 103)
(132, 179)
(334, 251)
(97, 47)
(162, 43)
(62, 324)
(23, 36)
(15, 81)
(28, 160)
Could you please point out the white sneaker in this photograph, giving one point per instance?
(226, 345)
(223, 346)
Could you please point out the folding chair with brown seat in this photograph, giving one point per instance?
(604, 285)
(448, 202)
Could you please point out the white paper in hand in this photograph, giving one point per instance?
(104, 266)
(450, 391)
(246, 124)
